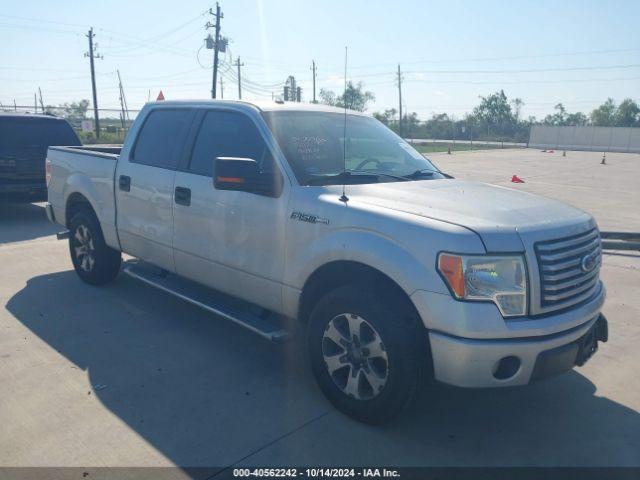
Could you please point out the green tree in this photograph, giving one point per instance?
(576, 119)
(388, 117)
(410, 124)
(494, 113)
(354, 97)
(627, 114)
(494, 109)
(517, 105)
(558, 118)
(605, 114)
(327, 97)
(74, 112)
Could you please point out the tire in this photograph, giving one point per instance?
(94, 262)
(393, 371)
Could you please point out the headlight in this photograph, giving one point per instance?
(500, 279)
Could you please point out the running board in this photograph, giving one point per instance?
(252, 318)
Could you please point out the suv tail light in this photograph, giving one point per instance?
(47, 170)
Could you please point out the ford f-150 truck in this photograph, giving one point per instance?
(266, 213)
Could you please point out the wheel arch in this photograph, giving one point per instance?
(342, 272)
(75, 202)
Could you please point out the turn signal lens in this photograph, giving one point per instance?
(231, 179)
(451, 268)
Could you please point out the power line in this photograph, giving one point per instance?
(524, 57)
(528, 70)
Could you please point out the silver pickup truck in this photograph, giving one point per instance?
(265, 213)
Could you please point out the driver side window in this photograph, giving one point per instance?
(228, 134)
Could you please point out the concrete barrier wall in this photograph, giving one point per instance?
(601, 139)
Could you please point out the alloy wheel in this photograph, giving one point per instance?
(355, 356)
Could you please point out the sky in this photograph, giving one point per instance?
(578, 52)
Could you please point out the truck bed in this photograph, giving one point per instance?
(88, 171)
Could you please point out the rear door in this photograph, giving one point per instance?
(144, 186)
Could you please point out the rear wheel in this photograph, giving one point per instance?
(94, 261)
(366, 352)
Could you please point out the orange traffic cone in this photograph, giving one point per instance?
(516, 179)
(160, 97)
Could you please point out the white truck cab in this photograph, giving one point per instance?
(263, 212)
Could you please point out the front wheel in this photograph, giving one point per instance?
(366, 352)
(94, 261)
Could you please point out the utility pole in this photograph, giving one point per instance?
(41, 102)
(35, 102)
(92, 57)
(123, 103)
(221, 88)
(400, 100)
(216, 45)
(238, 64)
(313, 68)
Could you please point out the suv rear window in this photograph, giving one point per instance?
(160, 141)
(35, 133)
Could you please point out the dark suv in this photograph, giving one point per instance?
(24, 139)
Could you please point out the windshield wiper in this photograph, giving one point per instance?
(356, 176)
(380, 174)
(424, 172)
(338, 178)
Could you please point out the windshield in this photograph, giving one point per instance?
(313, 143)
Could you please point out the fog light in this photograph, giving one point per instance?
(507, 368)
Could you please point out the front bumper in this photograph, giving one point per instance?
(476, 363)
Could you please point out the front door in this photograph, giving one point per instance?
(230, 240)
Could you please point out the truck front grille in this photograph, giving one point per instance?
(569, 268)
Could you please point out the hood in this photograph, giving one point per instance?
(497, 214)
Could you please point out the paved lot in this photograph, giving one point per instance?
(128, 376)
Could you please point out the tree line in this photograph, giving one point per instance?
(496, 117)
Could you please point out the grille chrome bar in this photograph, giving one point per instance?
(570, 253)
(570, 283)
(554, 277)
(564, 280)
(561, 266)
(542, 247)
(572, 293)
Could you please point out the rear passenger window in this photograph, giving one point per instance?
(227, 134)
(161, 140)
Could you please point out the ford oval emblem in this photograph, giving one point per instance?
(589, 262)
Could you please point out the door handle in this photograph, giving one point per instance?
(183, 196)
(124, 183)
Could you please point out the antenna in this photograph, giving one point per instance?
(344, 197)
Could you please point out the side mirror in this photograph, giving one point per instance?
(244, 175)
